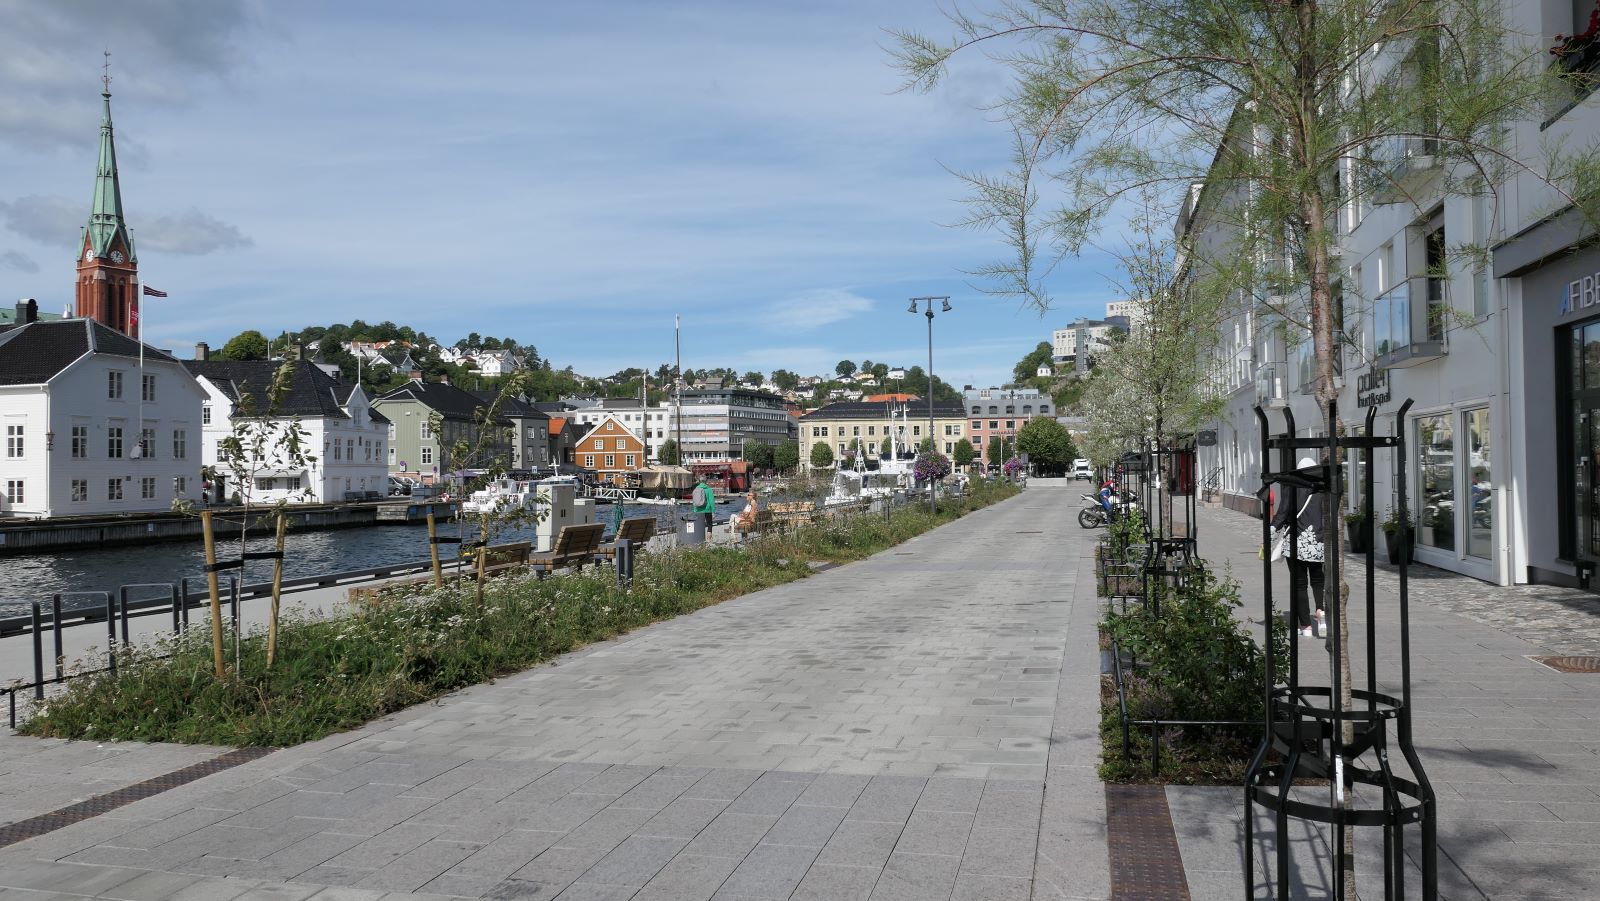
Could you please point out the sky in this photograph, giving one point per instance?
(569, 175)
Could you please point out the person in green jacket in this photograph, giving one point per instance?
(704, 502)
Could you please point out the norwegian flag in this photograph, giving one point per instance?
(151, 292)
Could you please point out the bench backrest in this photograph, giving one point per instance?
(577, 540)
(637, 530)
(515, 552)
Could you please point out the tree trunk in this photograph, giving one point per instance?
(1325, 348)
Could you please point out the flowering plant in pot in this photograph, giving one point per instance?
(1012, 467)
(931, 467)
(1399, 537)
(1355, 527)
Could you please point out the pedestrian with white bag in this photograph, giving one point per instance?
(1303, 547)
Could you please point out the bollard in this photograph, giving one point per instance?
(111, 631)
(38, 655)
(176, 625)
(625, 563)
(183, 595)
(55, 627)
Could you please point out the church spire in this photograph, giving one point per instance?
(107, 231)
(108, 270)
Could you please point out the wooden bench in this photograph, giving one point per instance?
(501, 557)
(637, 531)
(763, 522)
(791, 515)
(575, 546)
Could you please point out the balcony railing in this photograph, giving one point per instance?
(1270, 392)
(1406, 328)
(1404, 164)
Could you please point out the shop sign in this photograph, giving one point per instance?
(1372, 388)
(1580, 294)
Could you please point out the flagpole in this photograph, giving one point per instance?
(138, 289)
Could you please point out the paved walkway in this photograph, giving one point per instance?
(1512, 747)
(897, 728)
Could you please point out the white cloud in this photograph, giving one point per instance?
(191, 232)
(815, 309)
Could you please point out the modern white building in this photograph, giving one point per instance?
(87, 428)
(340, 429)
(1493, 353)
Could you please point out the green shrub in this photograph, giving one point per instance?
(1195, 661)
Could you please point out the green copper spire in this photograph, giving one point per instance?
(105, 220)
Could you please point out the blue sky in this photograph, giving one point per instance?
(571, 175)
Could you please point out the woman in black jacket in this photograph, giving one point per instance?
(1303, 552)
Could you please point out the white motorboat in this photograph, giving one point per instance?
(895, 472)
(501, 496)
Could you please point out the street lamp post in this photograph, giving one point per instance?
(945, 308)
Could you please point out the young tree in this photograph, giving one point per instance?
(786, 456)
(668, 452)
(964, 453)
(821, 455)
(1047, 443)
(884, 446)
(996, 451)
(759, 454)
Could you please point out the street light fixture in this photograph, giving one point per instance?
(944, 308)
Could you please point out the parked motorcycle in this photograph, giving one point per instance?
(1095, 516)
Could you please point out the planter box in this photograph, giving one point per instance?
(1357, 537)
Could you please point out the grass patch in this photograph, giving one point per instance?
(336, 674)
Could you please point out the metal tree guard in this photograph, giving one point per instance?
(1304, 725)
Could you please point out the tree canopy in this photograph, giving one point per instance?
(247, 345)
(1028, 367)
(821, 455)
(1047, 443)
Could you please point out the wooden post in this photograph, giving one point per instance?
(483, 559)
(216, 595)
(277, 586)
(433, 549)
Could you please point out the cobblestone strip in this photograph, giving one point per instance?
(1145, 863)
(36, 826)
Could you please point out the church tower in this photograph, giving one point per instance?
(108, 268)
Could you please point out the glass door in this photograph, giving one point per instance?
(1586, 440)
(1477, 469)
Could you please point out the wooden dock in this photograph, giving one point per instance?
(417, 511)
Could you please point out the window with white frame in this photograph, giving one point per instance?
(630, 461)
(80, 490)
(15, 492)
(147, 488)
(180, 444)
(80, 441)
(427, 456)
(180, 486)
(588, 461)
(147, 443)
(113, 489)
(611, 461)
(205, 414)
(147, 388)
(114, 385)
(265, 484)
(114, 442)
(14, 442)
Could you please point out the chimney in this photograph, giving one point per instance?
(202, 351)
(416, 375)
(444, 380)
(27, 311)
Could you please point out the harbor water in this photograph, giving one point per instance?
(35, 577)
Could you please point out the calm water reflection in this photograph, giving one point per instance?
(34, 577)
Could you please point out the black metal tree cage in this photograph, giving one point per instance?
(1304, 724)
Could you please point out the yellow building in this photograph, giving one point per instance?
(841, 425)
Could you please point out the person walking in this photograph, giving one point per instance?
(1304, 548)
(705, 502)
